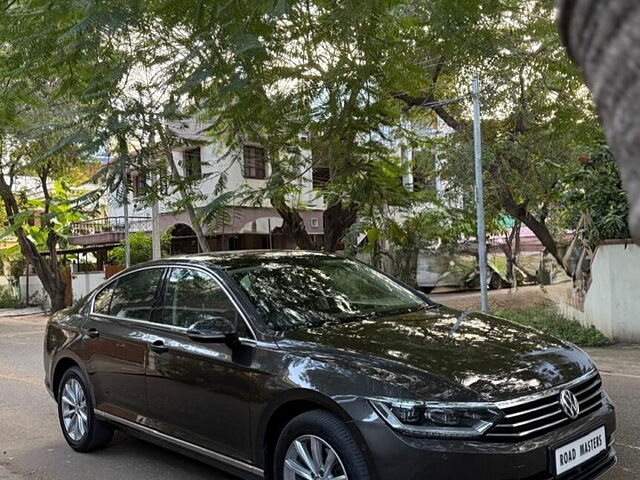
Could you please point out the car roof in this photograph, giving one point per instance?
(226, 260)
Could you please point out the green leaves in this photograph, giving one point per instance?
(141, 249)
(594, 189)
(16, 222)
(214, 214)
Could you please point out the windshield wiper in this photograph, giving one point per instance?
(401, 310)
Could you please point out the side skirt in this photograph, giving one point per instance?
(246, 470)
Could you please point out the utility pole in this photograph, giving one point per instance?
(127, 246)
(123, 152)
(477, 147)
(155, 225)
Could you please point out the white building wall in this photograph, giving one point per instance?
(215, 162)
(83, 283)
(35, 288)
(612, 303)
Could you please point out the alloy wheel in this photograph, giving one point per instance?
(74, 410)
(311, 458)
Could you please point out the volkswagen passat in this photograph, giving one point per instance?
(307, 366)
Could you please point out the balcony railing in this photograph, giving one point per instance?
(110, 225)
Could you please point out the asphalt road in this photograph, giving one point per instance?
(31, 446)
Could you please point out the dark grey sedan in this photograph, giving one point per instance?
(307, 366)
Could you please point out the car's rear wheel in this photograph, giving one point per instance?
(316, 445)
(80, 427)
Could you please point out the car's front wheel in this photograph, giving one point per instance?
(318, 446)
(81, 429)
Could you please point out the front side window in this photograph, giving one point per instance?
(308, 292)
(134, 294)
(192, 296)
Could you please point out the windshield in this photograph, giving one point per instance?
(309, 292)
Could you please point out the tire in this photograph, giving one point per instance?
(495, 283)
(328, 431)
(75, 408)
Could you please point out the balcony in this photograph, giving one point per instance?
(105, 231)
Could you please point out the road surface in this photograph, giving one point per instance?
(32, 447)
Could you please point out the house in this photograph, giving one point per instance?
(245, 227)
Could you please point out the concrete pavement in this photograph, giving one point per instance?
(32, 447)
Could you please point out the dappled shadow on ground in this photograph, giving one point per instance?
(530, 296)
(125, 458)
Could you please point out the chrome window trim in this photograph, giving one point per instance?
(514, 402)
(114, 279)
(181, 443)
(168, 266)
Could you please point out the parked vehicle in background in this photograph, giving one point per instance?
(301, 365)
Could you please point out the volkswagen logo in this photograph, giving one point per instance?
(569, 404)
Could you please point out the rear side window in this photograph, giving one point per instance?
(134, 294)
(193, 295)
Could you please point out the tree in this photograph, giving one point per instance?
(338, 79)
(595, 191)
(299, 77)
(40, 225)
(595, 204)
(537, 118)
(600, 37)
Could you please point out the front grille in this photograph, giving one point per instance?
(541, 414)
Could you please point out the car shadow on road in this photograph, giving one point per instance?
(125, 458)
(158, 459)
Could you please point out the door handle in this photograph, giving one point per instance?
(93, 333)
(158, 347)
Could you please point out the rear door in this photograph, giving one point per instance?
(200, 392)
(116, 348)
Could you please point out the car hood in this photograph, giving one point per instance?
(494, 358)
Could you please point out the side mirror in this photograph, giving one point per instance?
(213, 330)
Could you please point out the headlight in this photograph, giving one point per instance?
(444, 420)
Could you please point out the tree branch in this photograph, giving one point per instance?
(441, 111)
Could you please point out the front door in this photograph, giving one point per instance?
(199, 392)
(116, 346)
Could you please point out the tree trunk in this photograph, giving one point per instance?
(48, 272)
(336, 221)
(520, 212)
(602, 37)
(511, 250)
(294, 224)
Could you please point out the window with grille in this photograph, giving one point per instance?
(192, 163)
(139, 185)
(254, 161)
(321, 176)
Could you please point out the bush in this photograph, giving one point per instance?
(16, 268)
(547, 320)
(8, 299)
(141, 249)
(595, 189)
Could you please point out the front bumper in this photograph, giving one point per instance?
(394, 456)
